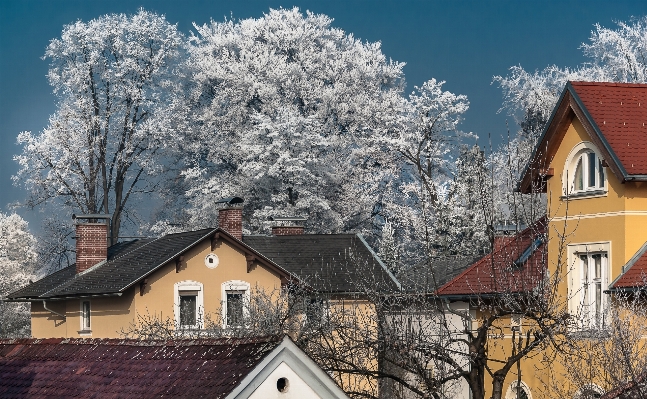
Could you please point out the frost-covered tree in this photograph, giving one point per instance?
(116, 78)
(17, 263)
(615, 55)
(419, 156)
(389, 247)
(283, 105)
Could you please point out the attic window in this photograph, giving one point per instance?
(585, 172)
(189, 304)
(528, 252)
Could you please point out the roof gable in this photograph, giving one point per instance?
(287, 353)
(517, 266)
(614, 116)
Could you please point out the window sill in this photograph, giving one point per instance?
(85, 333)
(584, 194)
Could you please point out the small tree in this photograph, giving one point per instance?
(17, 267)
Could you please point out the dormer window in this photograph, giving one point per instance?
(585, 175)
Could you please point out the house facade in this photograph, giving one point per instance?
(188, 278)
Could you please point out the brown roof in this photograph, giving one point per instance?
(101, 368)
(615, 117)
(516, 266)
(636, 389)
(634, 273)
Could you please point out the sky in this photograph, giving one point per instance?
(464, 43)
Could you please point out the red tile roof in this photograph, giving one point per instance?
(634, 273)
(620, 112)
(101, 368)
(497, 272)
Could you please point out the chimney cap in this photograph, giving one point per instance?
(92, 216)
(288, 219)
(230, 201)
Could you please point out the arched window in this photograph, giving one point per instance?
(590, 391)
(585, 171)
(523, 392)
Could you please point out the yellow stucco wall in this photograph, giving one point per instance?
(618, 218)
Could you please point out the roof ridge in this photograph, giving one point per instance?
(608, 84)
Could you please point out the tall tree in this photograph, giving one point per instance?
(116, 78)
(281, 104)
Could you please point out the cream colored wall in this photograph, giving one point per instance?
(108, 315)
(159, 298)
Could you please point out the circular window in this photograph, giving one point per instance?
(211, 261)
(282, 384)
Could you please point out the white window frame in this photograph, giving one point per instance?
(580, 153)
(583, 283)
(82, 319)
(234, 285)
(189, 285)
(512, 390)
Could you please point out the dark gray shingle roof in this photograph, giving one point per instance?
(127, 263)
(327, 262)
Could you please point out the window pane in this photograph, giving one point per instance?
(188, 310)
(592, 162)
(598, 265)
(234, 308)
(601, 174)
(579, 176)
(585, 267)
(86, 315)
(598, 300)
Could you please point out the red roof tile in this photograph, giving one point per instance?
(620, 112)
(497, 271)
(634, 273)
(93, 368)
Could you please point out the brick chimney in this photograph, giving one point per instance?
(231, 220)
(91, 244)
(287, 230)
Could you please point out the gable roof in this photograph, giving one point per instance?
(634, 272)
(615, 117)
(515, 267)
(127, 264)
(334, 263)
(100, 368)
(341, 263)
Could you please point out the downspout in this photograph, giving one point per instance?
(52, 311)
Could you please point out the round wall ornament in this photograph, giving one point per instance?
(211, 261)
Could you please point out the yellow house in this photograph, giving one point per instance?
(187, 275)
(591, 163)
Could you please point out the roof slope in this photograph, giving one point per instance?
(620, 112)
(634, 272)
(422, 278)
(327, 262)
(615, 117)
(126, 264)
(502, 270)
(93, 368)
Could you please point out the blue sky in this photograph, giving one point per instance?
(464, 43)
